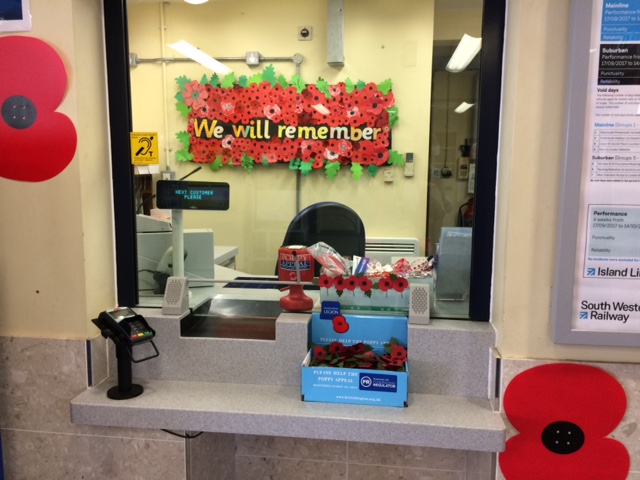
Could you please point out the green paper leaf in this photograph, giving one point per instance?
(305, 168)
(183, 109)
(217, 164)
(294, 164)
(179, 97)
(356, 171)
(184, 156)
(265, 162)
(331, 169)
(395, 158)
(385, 87)
(372, 170)
(247, 162)
(360, 85)
(204, 80)
(298, 83)
(256, 79)
(214, 81)
(349, 87)
(243, 81)
(182, 81)
(183, 138)
(282, 81)
(393, 116)
(323, 87)
(269, 75)
(228, 80)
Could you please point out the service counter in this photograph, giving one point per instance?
(252, 386)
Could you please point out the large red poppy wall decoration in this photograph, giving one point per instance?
(36, 142)
(563, 413)
(267, 119)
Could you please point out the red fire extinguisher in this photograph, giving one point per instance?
(465, 214)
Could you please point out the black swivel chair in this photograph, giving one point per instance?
(332, 223)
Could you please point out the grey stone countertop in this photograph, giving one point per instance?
(429, 420)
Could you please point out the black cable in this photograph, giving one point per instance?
(188, 437)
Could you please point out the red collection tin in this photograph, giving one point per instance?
(288, 256)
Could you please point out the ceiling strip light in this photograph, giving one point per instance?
(199, 56)
(466, 50)
(463, 107)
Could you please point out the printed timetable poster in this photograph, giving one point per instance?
(607, 277)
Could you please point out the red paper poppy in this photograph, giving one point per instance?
(325, 281)
(338, 283)
(563, 413)
(398, 352)
(319, 353)
(385, 284)
(340, 324)
(336, 347)
(400, 284)
(365, 284)
(36, 142)
(352, 282)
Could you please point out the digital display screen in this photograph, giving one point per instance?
(186, 195)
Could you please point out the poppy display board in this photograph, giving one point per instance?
(267, 119)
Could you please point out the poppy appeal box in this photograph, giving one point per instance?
(367, 294)
(357, 359)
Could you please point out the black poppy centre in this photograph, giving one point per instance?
(19, 112)
(563, 438)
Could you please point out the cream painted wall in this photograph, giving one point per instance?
(380, 42)
(530, 168)
(56, 265)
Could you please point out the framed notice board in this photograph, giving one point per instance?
(596, 292)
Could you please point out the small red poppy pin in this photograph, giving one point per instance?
(36, 142)
(563, 413)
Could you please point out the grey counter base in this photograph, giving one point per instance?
(429, 420)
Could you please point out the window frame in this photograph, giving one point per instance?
(120, 127)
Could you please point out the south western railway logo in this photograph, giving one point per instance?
(607, 311)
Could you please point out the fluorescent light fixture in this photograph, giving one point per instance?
(196, 2)
(463, 107)
(465, 51)
(199, 56)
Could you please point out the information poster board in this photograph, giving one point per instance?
(596, 295)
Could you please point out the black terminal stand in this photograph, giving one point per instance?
(126, 329)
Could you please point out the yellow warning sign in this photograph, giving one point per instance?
(144, 148)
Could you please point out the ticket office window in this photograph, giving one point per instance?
(483, 136)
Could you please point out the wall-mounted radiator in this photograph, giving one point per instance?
(384, 248)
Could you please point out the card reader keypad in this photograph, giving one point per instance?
(139, 330)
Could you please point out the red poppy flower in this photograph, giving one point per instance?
(36, 142)
(400, 284)
(340, 324)
(563, 413)
(385, 284)
(325, 281)
(365, 284)
(319, 353)
(336, 347)
(338, 283)
(398, 352)
(351, 283)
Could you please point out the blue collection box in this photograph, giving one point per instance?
(356, 385)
